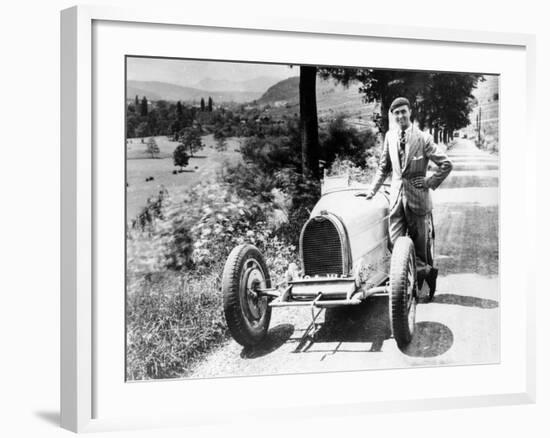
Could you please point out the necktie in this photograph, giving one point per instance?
(402, 142)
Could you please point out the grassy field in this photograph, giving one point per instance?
(139, 166)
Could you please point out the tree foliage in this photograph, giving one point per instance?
(181, 158)
(346, 142)
(191, 140)
(144, 109)
(439, 100)
(152, 147)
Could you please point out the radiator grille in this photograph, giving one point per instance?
(321, 248)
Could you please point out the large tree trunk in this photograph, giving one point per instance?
(309, 127)
(384, 109)
(421, 120)
(436, 134)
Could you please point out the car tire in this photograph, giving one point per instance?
(430, 242)
(247, 314)
(403, 291)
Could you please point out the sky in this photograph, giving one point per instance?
(189, 72)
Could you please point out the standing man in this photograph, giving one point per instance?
(407, 151)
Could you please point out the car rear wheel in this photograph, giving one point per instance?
(430, 253)
(246, 312)
(403, 287)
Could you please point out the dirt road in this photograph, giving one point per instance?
(460, 326)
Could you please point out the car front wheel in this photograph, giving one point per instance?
(403, 287)
(247, 312)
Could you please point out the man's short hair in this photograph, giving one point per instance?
(400, 101)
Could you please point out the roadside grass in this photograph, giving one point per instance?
(173, 320)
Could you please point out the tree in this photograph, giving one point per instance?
(309, 127)
(179, 110)
(202, 103)
(142, 130)
(381, 86)
(191, 139)
(441, 101)
(136, 103)
(376, 85)
(181, 159)
(447, 101)
(144, 106)
(210, 104)
(152, 147)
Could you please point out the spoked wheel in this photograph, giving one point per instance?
(403, 291)
(246, 311)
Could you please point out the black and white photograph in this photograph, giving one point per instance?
(285, 218)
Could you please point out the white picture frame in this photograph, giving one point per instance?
(82, 369)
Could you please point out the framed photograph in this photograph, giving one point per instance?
(289, 217)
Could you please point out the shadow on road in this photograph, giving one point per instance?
(430, 339)
(467, 301)
(367, 322)
(275, 338)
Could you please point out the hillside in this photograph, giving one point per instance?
(258, 84)
(154, 90)
(285, 90)
(332, 99)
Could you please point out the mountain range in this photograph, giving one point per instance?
(332, 98)
(155, 90)
(258, 84)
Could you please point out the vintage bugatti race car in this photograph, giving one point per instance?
(345, 258)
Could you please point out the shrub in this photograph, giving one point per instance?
(356, 173)
(198, 231)
(303, 193)
(346, 142)
(271, 153)
(159, 238)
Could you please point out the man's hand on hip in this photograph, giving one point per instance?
(420, 182)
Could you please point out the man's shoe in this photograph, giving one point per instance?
(420, 277)
(431, 280)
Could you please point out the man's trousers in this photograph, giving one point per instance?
(403, 221)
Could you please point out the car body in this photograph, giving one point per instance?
(344, 259)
